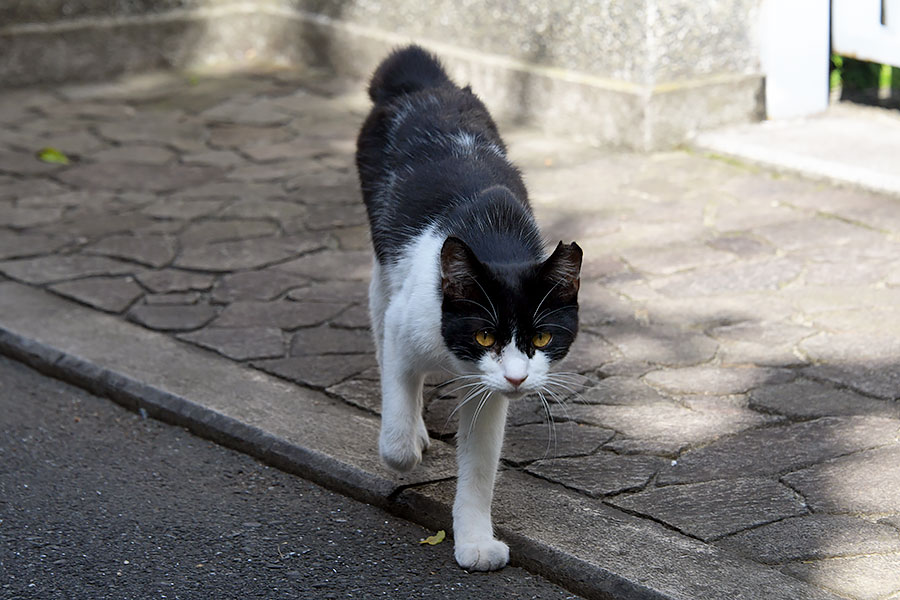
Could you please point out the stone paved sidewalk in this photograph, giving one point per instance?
(740, 345)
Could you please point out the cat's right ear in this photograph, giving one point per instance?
(458, 268)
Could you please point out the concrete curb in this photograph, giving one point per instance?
(591, 548)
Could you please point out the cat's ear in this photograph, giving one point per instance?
(563, 268)
(458, 268)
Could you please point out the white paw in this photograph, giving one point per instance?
(484, 555)
(402, 452)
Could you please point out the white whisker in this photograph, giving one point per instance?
(479, 305)
(551, 425)
(455, 379)
(544, 315)
(493, 309)
(481, 404)
(577, 395)
(476, 319)
(463, 387)
(469, 397)
(560, 401)
(534, 316)
(558, 327)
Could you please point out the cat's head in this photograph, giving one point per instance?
(509, 323)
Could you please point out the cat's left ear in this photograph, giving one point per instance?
(564, 269)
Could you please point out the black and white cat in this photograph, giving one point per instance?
(460, 282)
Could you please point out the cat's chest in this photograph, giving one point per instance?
(414, 290)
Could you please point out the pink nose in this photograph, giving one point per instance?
(516, 381)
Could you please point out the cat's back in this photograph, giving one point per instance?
(427, 146)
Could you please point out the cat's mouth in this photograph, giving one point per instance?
(514, 392)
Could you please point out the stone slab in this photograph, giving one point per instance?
(810, 399)
(781, 449)
(530, 442)
(814, 537)
(669, 427)
(283, 314)
(111, 294)
(172, 317)
(600, 474)
(53, 268)
(331, 340)
(613, 554)
(715, 380)
(151, 250)
(863, 577)
(239, 343)
(659, 344)
(246, 254)
(355, 317)
(136, 176)
(266, 284)
(317, 371)
(863, 483)
(173, 280)
(714, 509)
(204, 232)
(173, 298)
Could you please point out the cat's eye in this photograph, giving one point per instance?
(540, 339)
(484, 338)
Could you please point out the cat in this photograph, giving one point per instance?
(460, 279)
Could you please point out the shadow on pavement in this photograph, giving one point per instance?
(737, 371)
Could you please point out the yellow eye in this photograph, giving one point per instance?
(484, 338)
(541, 339)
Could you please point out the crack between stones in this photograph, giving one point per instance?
(392, 497)
(651, 518)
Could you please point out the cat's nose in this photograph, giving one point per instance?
(516, 381)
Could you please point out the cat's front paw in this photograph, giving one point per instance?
(403, 452)
(483, 555)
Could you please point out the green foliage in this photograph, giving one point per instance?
(859, 75)
(837, 64)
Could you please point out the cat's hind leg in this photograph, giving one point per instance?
(478, 443)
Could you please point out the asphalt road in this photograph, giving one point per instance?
(96, 502)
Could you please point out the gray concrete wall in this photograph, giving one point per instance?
(642, 74)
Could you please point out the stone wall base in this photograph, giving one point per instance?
(253, 35)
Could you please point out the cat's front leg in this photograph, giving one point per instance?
(403, 436)
(478, 444)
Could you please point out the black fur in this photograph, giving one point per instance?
(430, 155)
(407, 136)
(404, 72)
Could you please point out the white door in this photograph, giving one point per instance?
(867, 30)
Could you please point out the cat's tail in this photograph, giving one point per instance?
(404, 71)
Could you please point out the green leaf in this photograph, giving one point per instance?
(52, 155)
(434, 540)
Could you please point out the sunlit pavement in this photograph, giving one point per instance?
(738, 365)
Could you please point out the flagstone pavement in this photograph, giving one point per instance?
(738, 365)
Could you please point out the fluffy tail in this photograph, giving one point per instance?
(404, 71)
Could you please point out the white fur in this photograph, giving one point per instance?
(405, 306)
(513, 363)
(406, 314)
